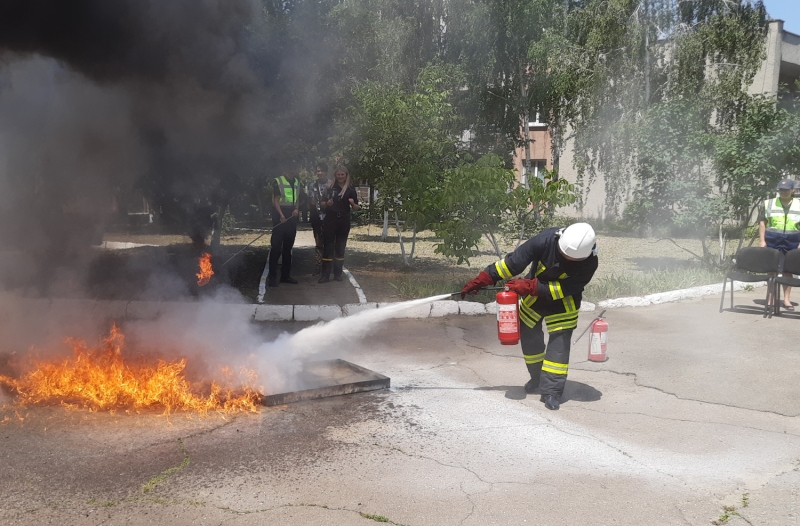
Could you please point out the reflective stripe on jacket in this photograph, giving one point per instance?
(561, 281)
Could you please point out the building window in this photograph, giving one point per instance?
(537, 168)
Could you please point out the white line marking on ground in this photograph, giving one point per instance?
(361, 297)
(262, 285)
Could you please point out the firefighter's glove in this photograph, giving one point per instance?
(483, 280)
(524, 287)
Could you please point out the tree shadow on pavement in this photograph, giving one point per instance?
(651, 264)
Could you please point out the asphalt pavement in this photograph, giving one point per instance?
(693, 419)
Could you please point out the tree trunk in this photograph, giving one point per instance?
(413, 243)
(490, 236)
(385, 232)
(400, 239)
(216, 231)
(527, 133)
(260, 205)
(371, 214)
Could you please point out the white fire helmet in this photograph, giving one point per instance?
(577, 241)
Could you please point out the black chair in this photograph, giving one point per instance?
(791, 265)
(752, 264)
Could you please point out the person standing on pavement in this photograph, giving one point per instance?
(562, 261)
(340, 198)
(779, 226)
(316, 193)
(285, 195)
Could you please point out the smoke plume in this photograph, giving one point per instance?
(191, 102)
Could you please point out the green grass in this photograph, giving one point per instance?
(640, 284)
(413, 288)
(155, 481)
(602, 288)
(376, 518)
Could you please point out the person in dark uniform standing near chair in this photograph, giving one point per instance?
(339, 199)
(563, 262)
(285, 196)
(316, 192)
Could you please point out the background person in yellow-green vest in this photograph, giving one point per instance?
(779, 225)
(562, 261)
(285, 196)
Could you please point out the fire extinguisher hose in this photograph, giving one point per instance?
(600, 317)
(484, 288)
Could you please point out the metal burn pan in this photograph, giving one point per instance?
(330, 378)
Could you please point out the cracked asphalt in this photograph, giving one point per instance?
(693, 419)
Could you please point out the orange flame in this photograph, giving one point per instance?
(98, 378)
(204, 276)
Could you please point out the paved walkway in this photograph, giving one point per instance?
(694, 411)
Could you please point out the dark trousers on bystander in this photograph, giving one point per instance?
(335, 229)
(282, 241)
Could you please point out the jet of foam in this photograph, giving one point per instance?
(313, 339)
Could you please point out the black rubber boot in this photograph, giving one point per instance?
(338, 269)
(532, 386)
(325, 273)
(550, 402)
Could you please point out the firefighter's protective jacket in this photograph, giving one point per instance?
(561, 281)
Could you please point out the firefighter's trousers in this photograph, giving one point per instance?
(282, 241)
(335, 229)
(547, 364)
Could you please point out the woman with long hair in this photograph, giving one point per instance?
(340, 198)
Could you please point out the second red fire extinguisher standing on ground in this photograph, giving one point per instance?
(598, 336)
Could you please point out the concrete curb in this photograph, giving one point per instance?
(673, 295)
(150, 310)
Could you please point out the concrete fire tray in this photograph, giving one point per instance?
(330, 378)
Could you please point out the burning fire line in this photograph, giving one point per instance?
(98, 378)
(206, 270)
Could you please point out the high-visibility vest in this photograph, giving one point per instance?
(780, 220)
(288, 192)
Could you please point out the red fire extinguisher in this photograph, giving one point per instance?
(598, 338)
(508, 317)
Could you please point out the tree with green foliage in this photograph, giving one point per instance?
(476, 199)
(399, 141)
(752, 156)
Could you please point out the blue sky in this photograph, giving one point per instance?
(786, 10)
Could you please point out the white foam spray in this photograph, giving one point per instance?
(309, 340)
(280, 361)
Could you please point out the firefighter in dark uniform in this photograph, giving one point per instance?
(562, 262)
(285, 194)
(340, 197)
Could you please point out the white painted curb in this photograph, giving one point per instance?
(148, 310)
(673, 295)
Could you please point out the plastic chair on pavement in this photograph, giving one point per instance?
(791, 265)
(750, 265)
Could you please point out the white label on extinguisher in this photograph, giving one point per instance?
(507, 319)
(597, 342)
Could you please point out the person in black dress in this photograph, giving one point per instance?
(340, 198)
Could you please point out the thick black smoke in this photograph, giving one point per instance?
(193, 101)
(125, 39)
